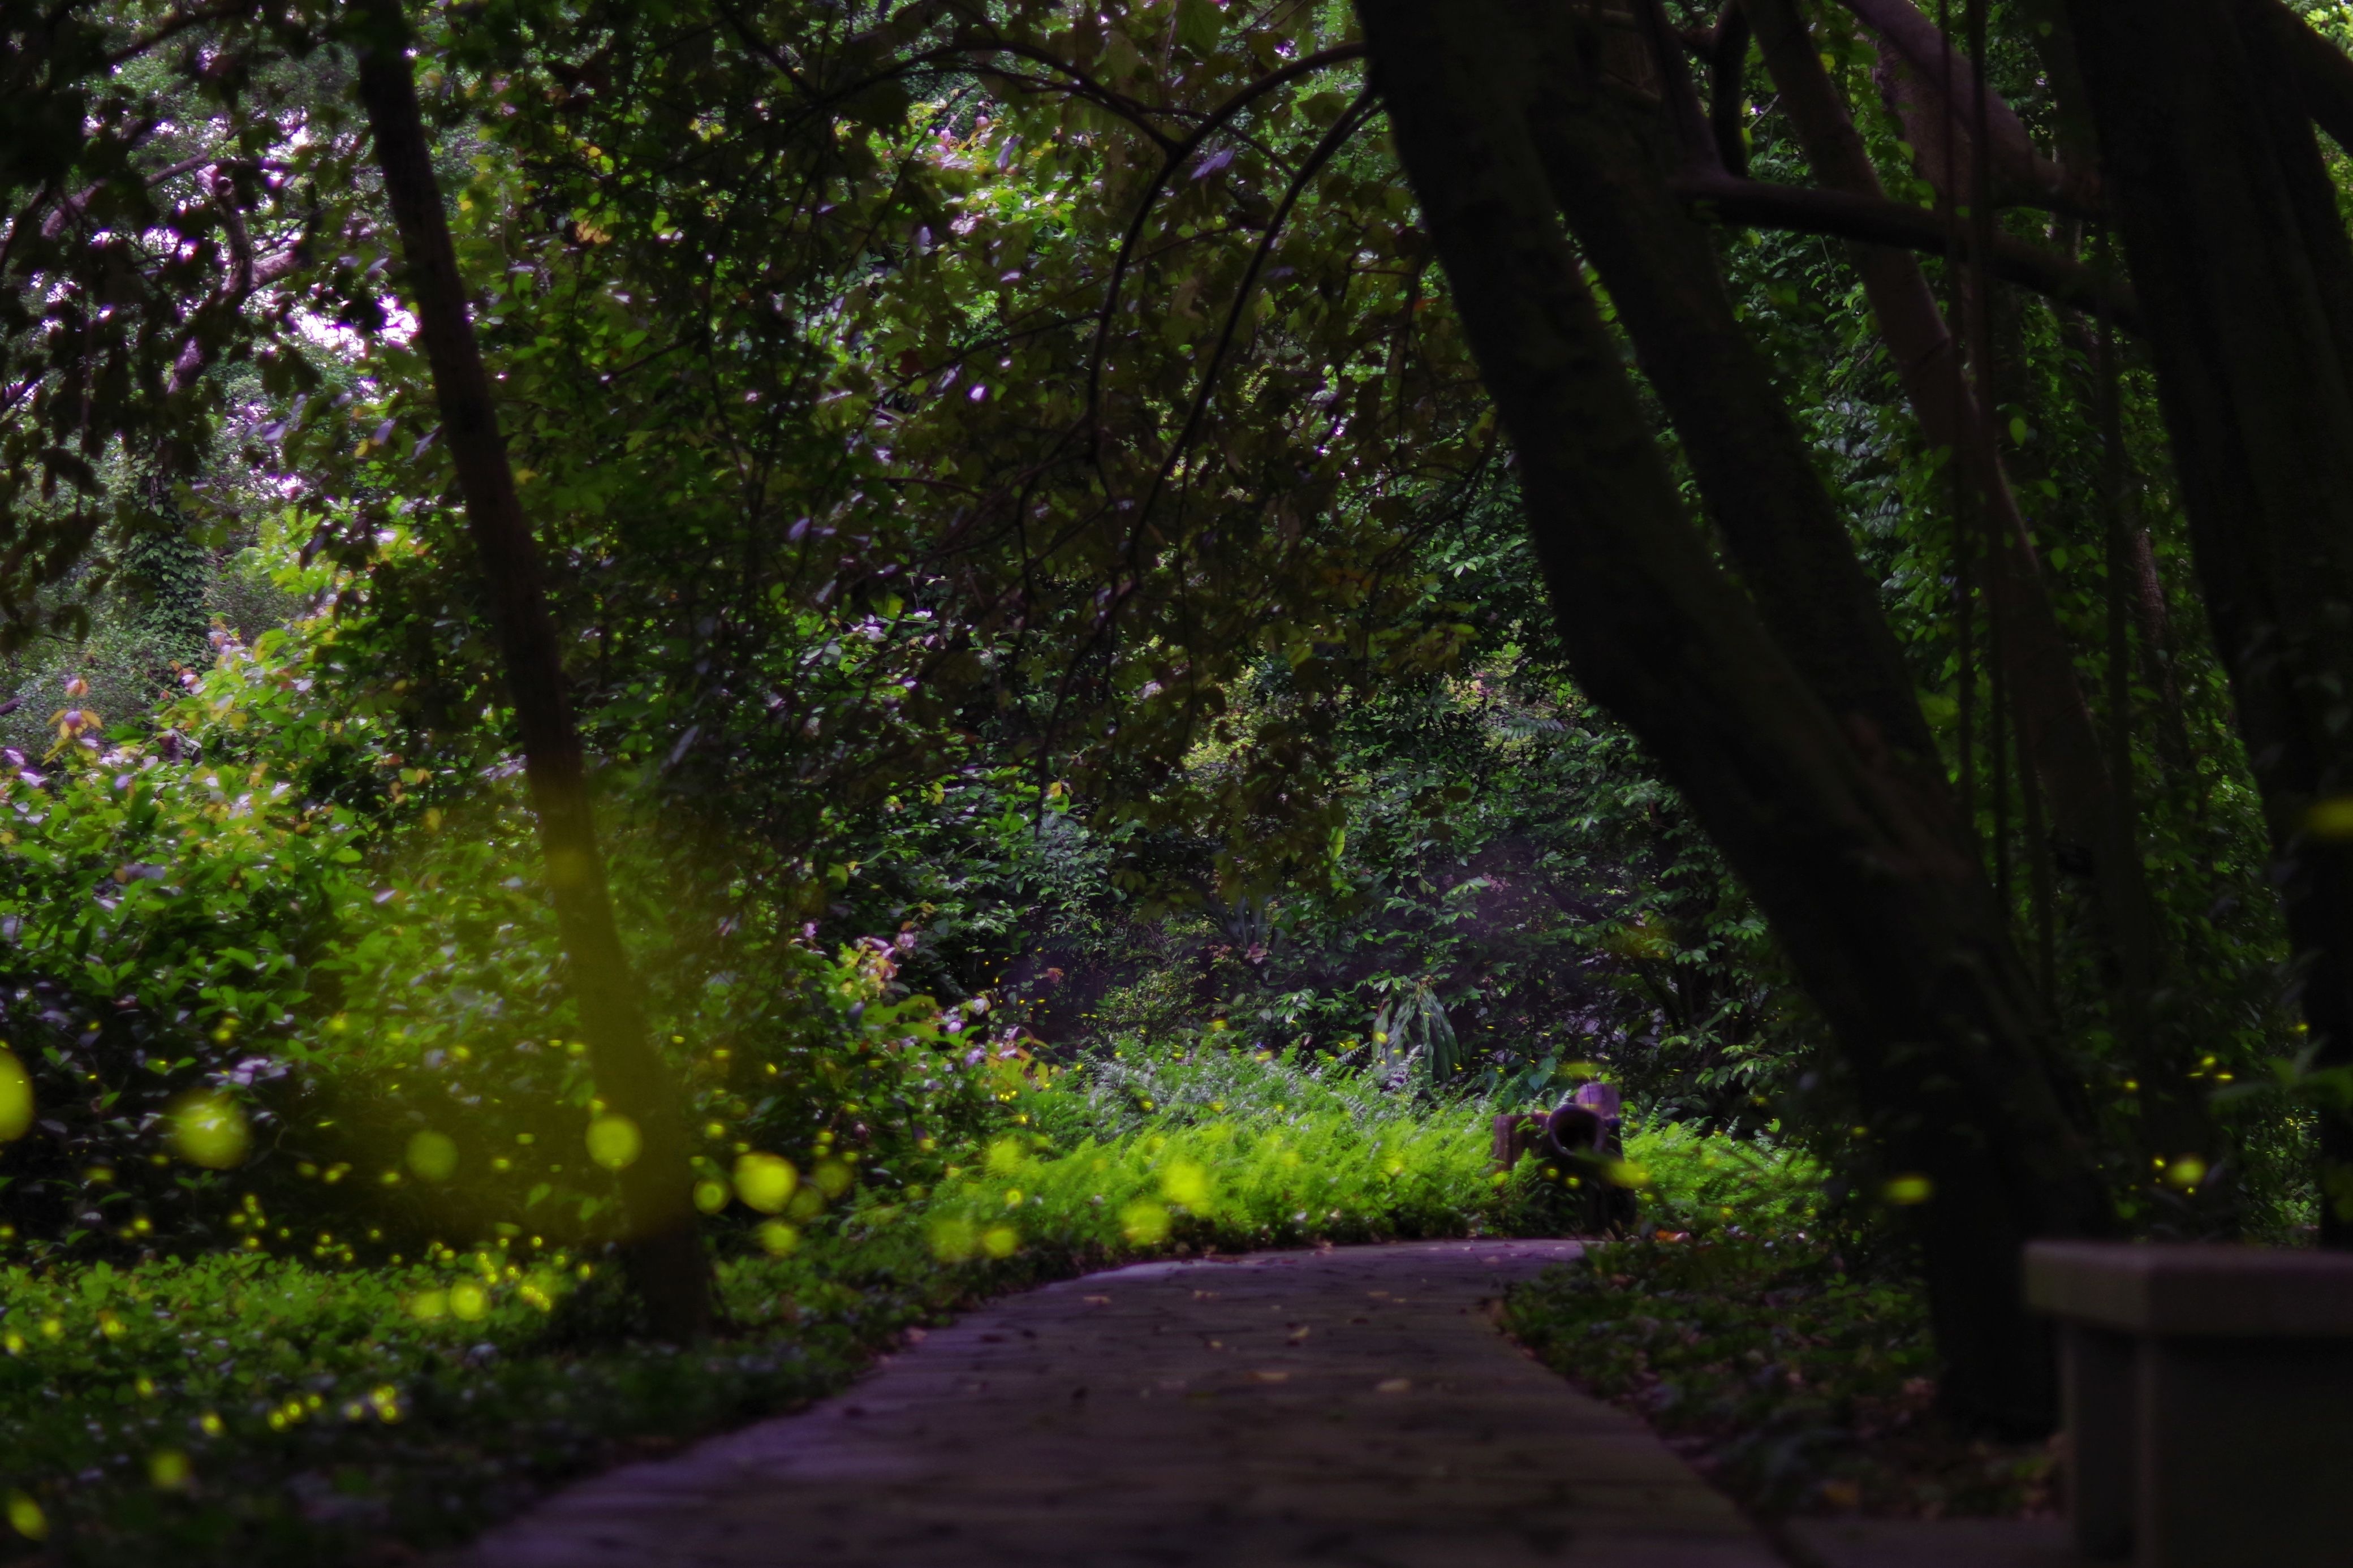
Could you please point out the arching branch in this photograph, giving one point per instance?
(1221, 117)
(1757, 204)
(1347, 125)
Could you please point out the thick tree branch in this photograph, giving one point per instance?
(1757, 204)
(246, 278)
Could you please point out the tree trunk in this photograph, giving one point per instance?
(2246, 278)
(1848, 850)
(663, 1253)
(1606, 169)
(2086, 809)
(2146, 593)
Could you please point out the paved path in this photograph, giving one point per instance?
(1354, 1407)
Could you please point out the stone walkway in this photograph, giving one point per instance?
(1354, 1407)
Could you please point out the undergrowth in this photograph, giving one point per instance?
(260, 1409)
(1796, 1386)
(256, 1410)
(1221, 1147)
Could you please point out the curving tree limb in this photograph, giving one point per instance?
(1876, 220)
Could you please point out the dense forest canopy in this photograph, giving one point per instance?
(599, 592)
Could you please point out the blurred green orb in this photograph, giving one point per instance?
(209, 1129)
(433, 1156)
(15, 1098)
(615, 1142)
(765, 1182)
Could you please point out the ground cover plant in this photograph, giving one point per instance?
(254, 1405)
(1797, 1380)
(249, 1408)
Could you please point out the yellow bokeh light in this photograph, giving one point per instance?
(779, 1237)
(1187, 1183)
(615, 1142)
(433, 1156)
(832, 1177)
(765, 1182)
(1000, 1241)
(1907, 1190)
(15, 1098)
(468, 1300)
(209, 1129)
(2330, 818)
(1626, 1173)
(1144, 1222)
(168, 1468)
(2184, 1174)
(428, 1305)
(952, 1240)
(710, 1196)
(25, 1515)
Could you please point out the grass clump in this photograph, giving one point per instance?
(1795, 1385)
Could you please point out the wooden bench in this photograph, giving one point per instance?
(2207, 1392)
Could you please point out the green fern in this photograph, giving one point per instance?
(1413, 1024)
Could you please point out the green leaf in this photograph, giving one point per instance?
(1198, 23)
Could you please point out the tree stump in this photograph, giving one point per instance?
(1515, 1135)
